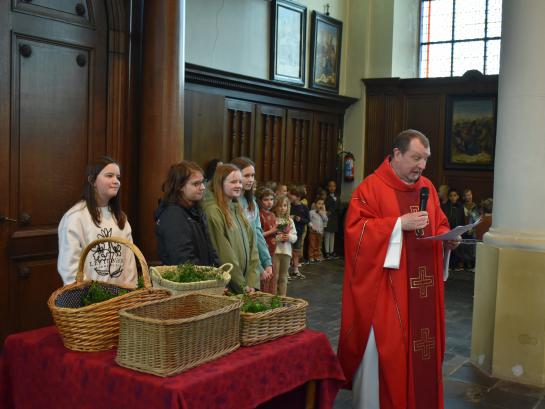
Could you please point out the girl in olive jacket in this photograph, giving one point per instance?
(230, 232)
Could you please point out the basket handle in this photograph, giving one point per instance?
(227, 267)
(134, 249)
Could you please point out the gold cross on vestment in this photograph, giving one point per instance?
(422, 282)
(426, 344)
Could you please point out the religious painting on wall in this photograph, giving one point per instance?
(288, 42)
(325, 53)
(470, 132)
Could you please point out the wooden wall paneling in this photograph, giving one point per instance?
(238, 134)
(203, 124)
(298, 149)
(268, 141)
(374, 133)
(51, 137)
(423, 107)
(326, 132)
(424, 113)
(5, 228)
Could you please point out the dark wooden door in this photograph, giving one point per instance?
(53, 67)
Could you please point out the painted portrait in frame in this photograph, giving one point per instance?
(325, 55)
(470, 132)
(288, 42)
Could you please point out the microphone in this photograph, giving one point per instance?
(424, 194)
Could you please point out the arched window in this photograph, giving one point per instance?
(459, 35)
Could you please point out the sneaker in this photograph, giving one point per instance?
(300, 275)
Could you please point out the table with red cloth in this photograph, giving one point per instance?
(39, 372)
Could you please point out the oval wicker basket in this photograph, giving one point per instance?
(214, 287)
(96, 327)
(256, 328)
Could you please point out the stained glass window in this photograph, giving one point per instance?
(459, 35)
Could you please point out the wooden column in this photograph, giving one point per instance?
(162, 111)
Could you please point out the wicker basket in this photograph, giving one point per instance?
(170, 336)
(96, 326)
(214, 287)
(256, 328)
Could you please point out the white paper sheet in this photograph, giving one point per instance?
(454, 233)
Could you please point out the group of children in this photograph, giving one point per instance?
(287, 221)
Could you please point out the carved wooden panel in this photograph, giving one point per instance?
(238, 135)
(53, 82)
(269, 142)
(298, 146)
(374, 135)
(50, 130)
(70, 11)
(323, 159)
(424, 112)
(31, 281)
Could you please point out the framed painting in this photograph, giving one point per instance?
(325, 53)
(470, 132)
(288, 42)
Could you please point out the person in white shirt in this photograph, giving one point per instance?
(97, 215)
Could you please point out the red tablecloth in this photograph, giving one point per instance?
(39, 372)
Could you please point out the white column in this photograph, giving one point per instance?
(519, 171)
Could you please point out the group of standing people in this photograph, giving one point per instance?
(224, 220)
(462, 210)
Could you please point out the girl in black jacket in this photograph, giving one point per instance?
(180, 224)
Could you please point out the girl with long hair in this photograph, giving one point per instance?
(230, 232)
(180, 224)
(285, 237)
(97, 215)
(251, 210)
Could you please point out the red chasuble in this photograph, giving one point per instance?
(405, 306)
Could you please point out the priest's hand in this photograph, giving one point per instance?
(452, 244)
(414, 221)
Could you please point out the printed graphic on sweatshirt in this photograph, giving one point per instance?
(107, 258)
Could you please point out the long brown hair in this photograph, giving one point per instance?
(221, 173)
(114, 204)
(242, 163)
(177, 177)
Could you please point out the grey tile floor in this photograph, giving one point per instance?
(465, 386)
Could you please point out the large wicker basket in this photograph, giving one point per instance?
(170, 336)
(96, 326)
(256, 328)
(214, 287)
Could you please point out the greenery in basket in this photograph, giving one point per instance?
(97, 293)
(253, 304)
(189, 273)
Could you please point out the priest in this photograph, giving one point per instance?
(392, 337)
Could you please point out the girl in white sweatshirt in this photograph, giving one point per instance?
(97, 215)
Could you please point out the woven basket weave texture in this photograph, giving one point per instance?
(167, 337)
(96, 326)
(256, 328)
(209, 287)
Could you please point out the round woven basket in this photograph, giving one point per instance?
(96, 327)
(214, 287)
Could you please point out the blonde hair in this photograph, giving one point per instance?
(279, 201)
